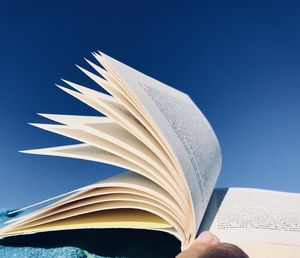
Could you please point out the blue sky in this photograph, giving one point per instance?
(239, 60)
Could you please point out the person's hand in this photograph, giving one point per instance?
(207, 245)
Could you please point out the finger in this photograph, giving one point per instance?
(200, 244)
(206, 237)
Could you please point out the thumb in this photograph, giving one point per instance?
(206, 238)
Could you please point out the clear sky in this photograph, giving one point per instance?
(239, 61)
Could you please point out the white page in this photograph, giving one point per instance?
(107, 129)
(190, 138)
(128, 182)
(243, 215)
(271, 250)
(88, 152)
(109, 107)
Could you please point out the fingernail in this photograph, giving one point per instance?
(207, 238)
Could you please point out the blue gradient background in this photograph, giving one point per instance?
(239, 60)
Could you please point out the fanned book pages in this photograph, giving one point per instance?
(172, 160)
(156, 133)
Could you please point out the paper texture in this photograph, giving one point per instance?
(242, 215)
(188, 133)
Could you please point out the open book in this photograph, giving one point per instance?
(171, 155)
